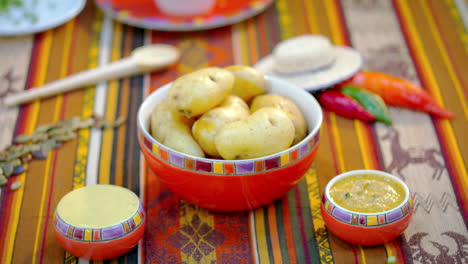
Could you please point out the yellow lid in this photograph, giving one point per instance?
(97, 206)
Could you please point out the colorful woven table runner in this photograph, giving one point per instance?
(425, 41)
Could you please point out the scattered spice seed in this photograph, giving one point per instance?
(119, 121)
(65, 137)
(23, 138)
(3, 156)
(7, 169)
(18, 170)
(48, 145)
(39, 154)
(3, 180)
(14, 158)
(15, 186)
(26, 158)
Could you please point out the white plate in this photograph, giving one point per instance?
(38, 15)
(348, 62)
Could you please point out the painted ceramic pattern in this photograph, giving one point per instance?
(228, 166)
(160, 21)
(367, 220)
(100, 234)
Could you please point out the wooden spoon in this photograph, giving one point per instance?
(143, 59)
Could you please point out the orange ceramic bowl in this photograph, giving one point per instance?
(99, 222)
(233, 184)
(366, 228)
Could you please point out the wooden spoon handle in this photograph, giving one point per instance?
(143, 59)
(121, 68)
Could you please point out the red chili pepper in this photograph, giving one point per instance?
(343, 105)
(397, 92)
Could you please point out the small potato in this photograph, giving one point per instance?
(248, 82)
(267, 131)
(205, 128)
(173, 130)
(285, 104)
(195, 93)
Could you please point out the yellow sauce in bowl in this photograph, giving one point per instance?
(98, 206)
(367, 193)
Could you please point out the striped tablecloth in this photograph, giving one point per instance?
(425, 41)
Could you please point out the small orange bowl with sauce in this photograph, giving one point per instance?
(366, 207)
(99, 222)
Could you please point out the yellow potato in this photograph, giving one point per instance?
(285, 104)
(195, 93)
(205, 128)
(248, 82)
(265, 132)
(173, 130)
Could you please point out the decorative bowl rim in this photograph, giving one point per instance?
(366, 171)
(312, 136)
(128, 224)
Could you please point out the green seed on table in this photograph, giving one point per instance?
(39, 136)
(17, 152)
(48, 145)
(105, 125)
(66, 137)
(58, 131)
(14, 158)
(3, 180)
(85, 124)
(3, 155)
(43, 128)
(23, 138)
(33, 147)
(119, 121)
(74, 122)
(99, 123)
(7, 169)
(16, 185)
(15, 162)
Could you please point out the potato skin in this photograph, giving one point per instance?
(248, 82)
(195, 93)
(173, 130)
(285, 104)
(265, 132)
(233, 108)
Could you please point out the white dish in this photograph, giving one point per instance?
(348, 62)
(38, 15)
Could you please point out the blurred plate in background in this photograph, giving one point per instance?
(38, 15)
(145, 14)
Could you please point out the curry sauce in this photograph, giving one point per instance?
(368, 193)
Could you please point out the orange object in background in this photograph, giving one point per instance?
(148, 8)
(397, 92)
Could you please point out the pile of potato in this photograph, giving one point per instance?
(207, 114)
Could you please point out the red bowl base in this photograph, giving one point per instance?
(229, 192)
(101, 250)
(367, 236)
